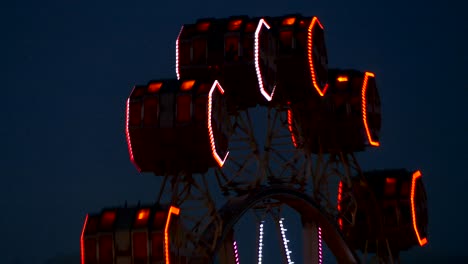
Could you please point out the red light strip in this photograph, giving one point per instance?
(215, 154)
(309, 54)
(290, 121)
(127, 132)
(172, 210)
(257, 61)
(416, 175)
(364, 108)
(340, 190)
(82, 241)
(177, 66)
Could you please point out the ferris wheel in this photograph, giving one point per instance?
(256, 116)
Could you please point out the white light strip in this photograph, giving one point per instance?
(257, 60)
(260, 243)
(320, 245)
(285, 241)
(236, 253)
(177, 54)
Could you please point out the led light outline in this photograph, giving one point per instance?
(172, 210)
(338, 207)
(129, 140)
(417, 174)
(236, 253)
(267, 96)
(285, 241)
(82, 240)
(177, 66)
(309, 55)
(260, 242)
(364, 108)
(320, 250)
(210, 126)
(290, 121)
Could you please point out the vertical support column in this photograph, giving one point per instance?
(312, 243)
(227, 255)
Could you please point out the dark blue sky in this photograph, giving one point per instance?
(66, 68)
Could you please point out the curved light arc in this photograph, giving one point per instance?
(416, 175)
(220, 160)
(310, 33)
(364, 108)
(261, 86)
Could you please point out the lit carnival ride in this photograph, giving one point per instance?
(198, 129)
(392, 212)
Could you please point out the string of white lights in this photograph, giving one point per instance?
(260, 242)
(285, 241)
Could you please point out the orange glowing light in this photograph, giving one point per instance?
(338, 207)
(289, 21)
(203, 26)
(214, 152)
(127, 133)
(234, 24)
(154, 87)
(314, 22)
(82, 240)
(364, 108)
(290, 128)
(172, 210)
(143, 214)
(342, 79)
(417, 174)
(177, 65)
(265, 94)
(187, 85)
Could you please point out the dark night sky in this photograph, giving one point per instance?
(66, 68)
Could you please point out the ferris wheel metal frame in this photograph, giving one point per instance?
(191, 193)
